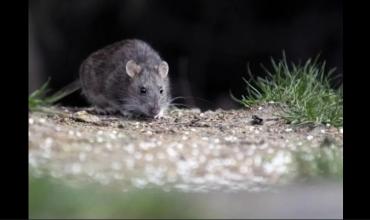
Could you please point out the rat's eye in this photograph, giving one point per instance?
(142, 90)
(161, 90)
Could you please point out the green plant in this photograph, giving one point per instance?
(40, 97)
(304, 89)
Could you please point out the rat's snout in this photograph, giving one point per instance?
(154, 110)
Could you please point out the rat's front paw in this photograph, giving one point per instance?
(161, 115)
(105, 111)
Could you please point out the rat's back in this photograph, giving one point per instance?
(133, 49)
(113, 57)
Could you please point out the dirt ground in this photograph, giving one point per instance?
(189, 150)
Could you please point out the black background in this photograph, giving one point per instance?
(207, 43)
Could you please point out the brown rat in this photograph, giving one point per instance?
(128, 77)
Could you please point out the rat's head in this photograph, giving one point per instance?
(148, 90)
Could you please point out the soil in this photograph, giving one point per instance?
(188, 150)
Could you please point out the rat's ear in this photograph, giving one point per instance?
(163, 69)
(132, 68)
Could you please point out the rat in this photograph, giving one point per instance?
(127, 77)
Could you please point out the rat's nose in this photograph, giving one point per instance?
(154, 110)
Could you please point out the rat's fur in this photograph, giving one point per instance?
(113, 84)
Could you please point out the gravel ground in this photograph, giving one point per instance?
(188, 151)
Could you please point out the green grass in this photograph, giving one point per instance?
(304, 90)
(41, 98)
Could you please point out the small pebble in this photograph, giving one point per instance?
(42, 120)
(171, 152)
(99, 139)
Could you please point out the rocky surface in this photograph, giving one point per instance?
(188, 150)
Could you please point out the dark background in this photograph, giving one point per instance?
(206, 43)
